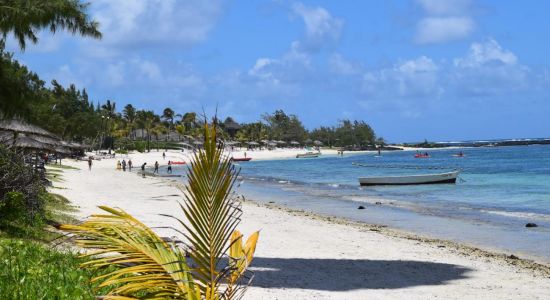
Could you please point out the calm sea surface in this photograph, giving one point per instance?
(499, 190)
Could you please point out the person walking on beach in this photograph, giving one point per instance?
(118, 165)
(163, 155)
(130, 165)
(156, 170)
(169, 171)
(90, 163)
(124, 165)
(143, 169)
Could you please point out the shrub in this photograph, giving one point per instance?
(21, 191)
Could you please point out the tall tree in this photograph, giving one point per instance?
(168, 115)
(129, 113)
(25, 18)
(189, 120)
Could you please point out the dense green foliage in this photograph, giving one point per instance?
(347, 134)
(30, 270)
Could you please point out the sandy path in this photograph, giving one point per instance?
(300, 257)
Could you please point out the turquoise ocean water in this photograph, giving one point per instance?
(499, 190)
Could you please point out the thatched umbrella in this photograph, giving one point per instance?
(308, 141)
(294, 143)
(45, 140)
(317, 143)
(25, 142)
(253, 143)
(18, 126)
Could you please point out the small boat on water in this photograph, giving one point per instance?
(448, 177)
(241, 158)
(420, 155)
(309, 154)
(177, 162)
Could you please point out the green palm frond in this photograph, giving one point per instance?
(150, 267)
(25, 18)
(211, 212)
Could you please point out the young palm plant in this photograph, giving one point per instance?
(151, 268)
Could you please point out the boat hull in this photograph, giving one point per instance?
(440, 178)
(241, 158)
(307, 155)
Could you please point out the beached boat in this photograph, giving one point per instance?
(309, 154)
(448, 177)
(241, 158)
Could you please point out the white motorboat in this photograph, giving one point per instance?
(309, 154)
(448, 177)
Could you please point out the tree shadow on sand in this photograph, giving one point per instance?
(346, 274)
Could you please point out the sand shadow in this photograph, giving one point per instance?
(346, 274)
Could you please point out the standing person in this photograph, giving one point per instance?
(118, 165)
(378, 151)
(90, 163)
(143, 169)
(169, 171)
(163, 155)
(245, 154)
(124, 165)
(156, 167)
(130, 165)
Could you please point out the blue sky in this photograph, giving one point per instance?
(413, 69)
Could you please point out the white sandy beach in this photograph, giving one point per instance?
(300, 256)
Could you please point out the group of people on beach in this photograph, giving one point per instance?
(122, 165)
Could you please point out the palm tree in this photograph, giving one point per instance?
(129, 113)
(25, 18)
(151, 268)
(180, 129)
(109, 112)
(168, 115)
(157, 130)
(189, 120)
(148, 122)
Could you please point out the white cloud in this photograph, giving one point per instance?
(488, 69)
(149, 69)
(141, 22)
(321, 27)
(410, 79)
(486, 53)
(445, 7)
(290, 68)
(444, 21)
(443, 29)
(339, 65)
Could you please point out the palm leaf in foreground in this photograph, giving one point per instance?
(150, 267)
